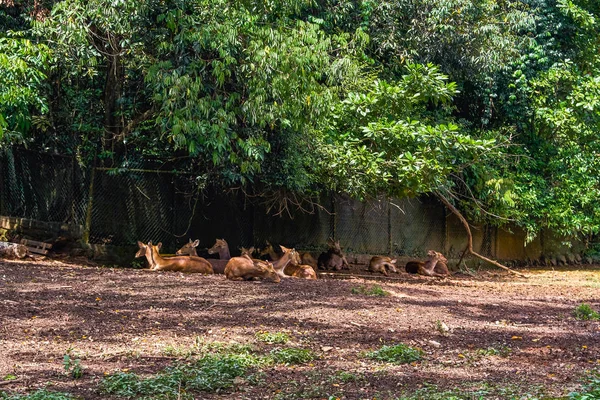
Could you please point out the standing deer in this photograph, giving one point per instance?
(434, 266)
(382, 264)
(178, 263)
(334, 258)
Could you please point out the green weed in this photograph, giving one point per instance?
(292, 356)
(501, 351)
(272, 338)
(72, 367)
(590, 390)
(398, 354)
(585, 312)
(38, 395)
(210, 373)
(374, 290)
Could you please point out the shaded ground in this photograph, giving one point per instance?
(504, 332)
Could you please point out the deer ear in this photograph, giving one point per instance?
(141, 245)
(159, 245)
(196, 242)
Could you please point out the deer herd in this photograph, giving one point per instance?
(283, 262)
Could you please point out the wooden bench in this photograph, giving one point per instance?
(36, 247)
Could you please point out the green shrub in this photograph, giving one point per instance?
(398, 354)
(292, 356)
(585, 312)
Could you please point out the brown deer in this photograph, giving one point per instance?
(334, 258)
(222, 248)
(189, 249)
(434, 266)
(244, 269)
(382, 265)
(305, 257)
(177, 263)
(290, 265)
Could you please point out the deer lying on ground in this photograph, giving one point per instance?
(305, 258)
(177, 263)
(434, 266)
(189, 249)
(382, 265)
(290, 265)
(334, 258)
(245, 269)
(220, 247)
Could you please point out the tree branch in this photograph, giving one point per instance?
(470, 236)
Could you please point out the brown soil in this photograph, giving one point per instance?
(126, 319)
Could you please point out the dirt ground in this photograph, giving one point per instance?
(502, 331)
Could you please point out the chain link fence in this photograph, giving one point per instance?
(120, 207)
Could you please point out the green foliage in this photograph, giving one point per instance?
(494, 103)
(292, 356)
(272, 337)
(590, 390)
(397, 354)
(22, 72)
(374, 290)
(585, 312)
(38, 395)
(209, 374)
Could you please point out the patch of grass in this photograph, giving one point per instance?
(38, 395)
(590, 389)
(178, 351)
(480, 391)
(585, 312)
(344, 377)
(211, 373)
(272, 337)
(374, 290)
(501, 351)
(398, 354)
(291, 356)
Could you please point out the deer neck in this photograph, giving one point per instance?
(280, 264)
(155, 259)
(430, 264)
(224, 253)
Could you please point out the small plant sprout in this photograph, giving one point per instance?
(585, 312)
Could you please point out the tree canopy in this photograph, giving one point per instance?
(493, 103)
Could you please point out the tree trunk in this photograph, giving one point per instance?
(470, 236)
(8, 249)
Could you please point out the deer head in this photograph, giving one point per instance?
(188, 248)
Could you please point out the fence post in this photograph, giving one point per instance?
(88, 213)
